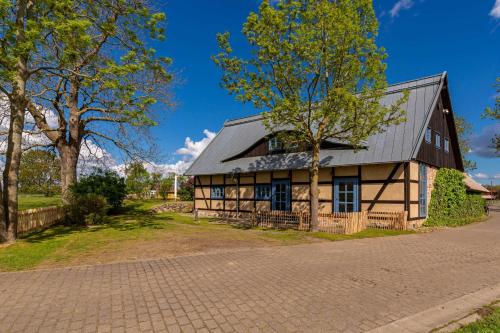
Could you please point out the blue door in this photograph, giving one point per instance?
(346, 194)
(281, 195)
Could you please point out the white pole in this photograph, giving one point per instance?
(175, 187)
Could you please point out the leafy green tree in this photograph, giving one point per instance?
(105, 183)
(39, 172)
(102, 78)
(315, 66)
(138, 179)
(22, 25)
(494, 113)
(464, 132)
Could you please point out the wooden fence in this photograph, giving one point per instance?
(334, 223)
(388, 220)
(39, 218)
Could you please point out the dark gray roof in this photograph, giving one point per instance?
(397, 143)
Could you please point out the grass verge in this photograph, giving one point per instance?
(490, 323)
(135, 233)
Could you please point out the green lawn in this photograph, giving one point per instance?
(28, 201)
(489, 324)
(136, 233)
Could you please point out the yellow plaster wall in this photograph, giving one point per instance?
(300, 176)
(218, 180)
(347, 171)
(230, 204)
(202, 192)
(230, 192)
(263, 206)
(393, 191)
(325, 175)
(380, 172)
(280, 174)
(246, 205)
(300, 192)
(385, 207)
(217, 204)
(300, 206)
(245, 180)
(325, 207)
(325, 192)
(246, 192)
(413, 170)
(204, 180)
(201, 204)
(263, 177)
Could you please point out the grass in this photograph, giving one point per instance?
(135, 233)
(28, 201)
(490, 323)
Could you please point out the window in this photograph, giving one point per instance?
(428, 135)
(275, 144)
(263, 192)
(438, 141)
(422, 190)
(446, 145)
(217, 192)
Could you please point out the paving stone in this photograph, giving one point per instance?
(348, 286)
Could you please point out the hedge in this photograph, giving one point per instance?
(450, 204)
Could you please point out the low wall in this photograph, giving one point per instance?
(174, 207)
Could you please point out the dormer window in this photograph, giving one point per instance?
(275, 144)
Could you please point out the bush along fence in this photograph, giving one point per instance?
(334, 223)
(39, 218)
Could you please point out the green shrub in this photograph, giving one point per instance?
(450, 204)
(87, 208)
(105, 183)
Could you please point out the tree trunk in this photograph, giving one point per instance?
(314, 188)
(11, 170)
(18, 103)
(69, 162)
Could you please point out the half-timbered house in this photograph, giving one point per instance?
(246, 167)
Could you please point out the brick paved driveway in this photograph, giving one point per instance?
(342, 286)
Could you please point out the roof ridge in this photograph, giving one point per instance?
(256, 117)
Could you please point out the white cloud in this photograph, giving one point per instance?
(481, 175)
(192, 148)
(495, 11)
(401, 5)
(190, 151)
(481, 144)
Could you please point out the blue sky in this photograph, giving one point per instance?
(422, 37)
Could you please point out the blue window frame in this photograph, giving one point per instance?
(275, 144)
(446, 145)
(428, 135)
(346, 194)
(263, 192)
(422, 190)
(217, 192)
(437, 144)
(281, 195)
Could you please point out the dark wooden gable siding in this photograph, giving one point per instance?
(442, 123)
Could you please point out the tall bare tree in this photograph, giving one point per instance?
(102, 79)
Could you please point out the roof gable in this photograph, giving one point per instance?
(397, 143)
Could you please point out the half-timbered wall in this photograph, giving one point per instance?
(383, 187)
